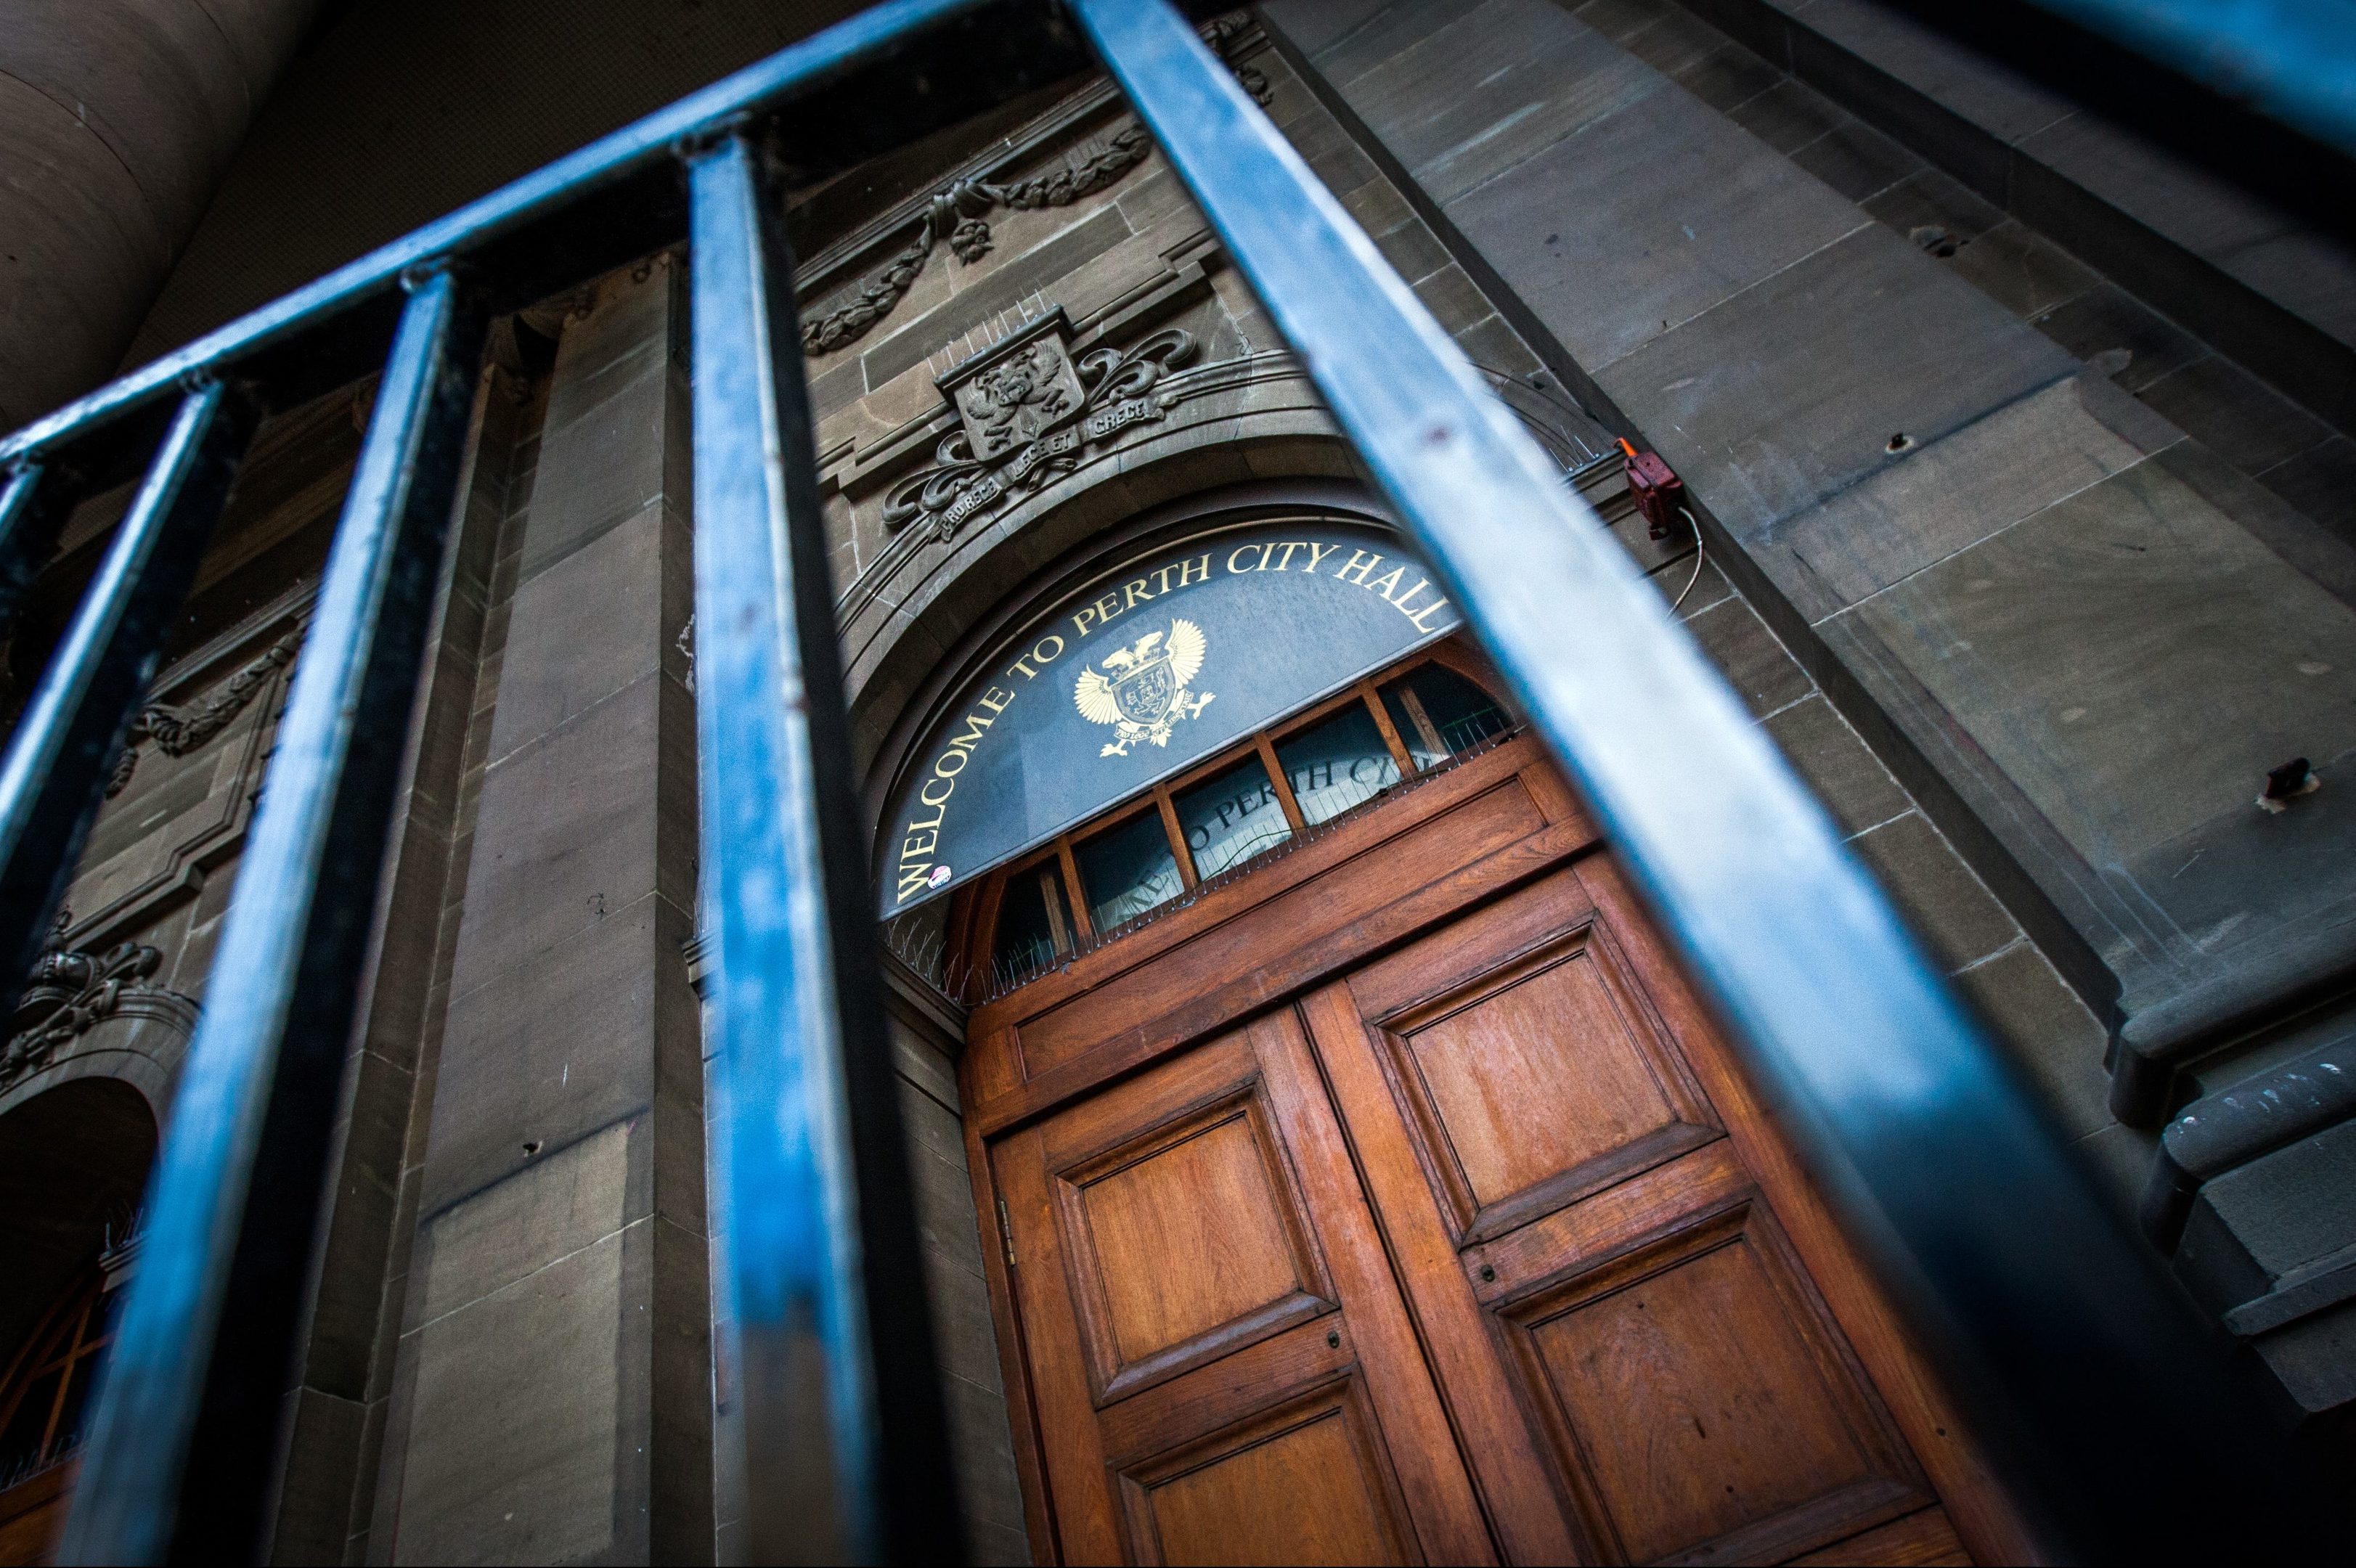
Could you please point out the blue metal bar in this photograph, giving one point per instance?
(178, 1457)
(844, 1450)
(545, 195)
(2292, 60)
(2086, 1370)
(57, 759)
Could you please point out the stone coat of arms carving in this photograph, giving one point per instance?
(1019, 399)
(1145, 695)
(1028, 412)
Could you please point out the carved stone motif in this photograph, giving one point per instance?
(70, 992)
(178, 731)
(957, 212)
(1018, 397)
(1030, 413)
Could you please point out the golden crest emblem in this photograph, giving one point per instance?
(1145, 693)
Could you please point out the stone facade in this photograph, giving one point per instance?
(2066, 561)
(2019, 475)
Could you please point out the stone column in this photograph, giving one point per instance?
(553, 1395)
(117, 117)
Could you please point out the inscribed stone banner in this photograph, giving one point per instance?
(1144, 672)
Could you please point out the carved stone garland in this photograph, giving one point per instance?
(70, 992)
(956, 211)
(178, 731)
(1027, 420)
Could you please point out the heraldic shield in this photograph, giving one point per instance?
(1146, 693)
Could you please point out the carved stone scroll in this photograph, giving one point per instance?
(1030, 414)
(177, 731)
(957, 212)
(70, 992)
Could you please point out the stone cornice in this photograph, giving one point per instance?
(953, 205)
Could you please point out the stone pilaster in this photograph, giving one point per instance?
(551, 1396)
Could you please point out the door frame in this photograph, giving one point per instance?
(1002, 1093)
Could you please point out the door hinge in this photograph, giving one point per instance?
(1006, 1232)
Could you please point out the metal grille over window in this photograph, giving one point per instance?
(1264, 796)
(1127, 872)
(1439, 714)
(1231, 816)
(1341, 764)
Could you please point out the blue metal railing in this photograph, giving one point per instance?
(2093, 1384)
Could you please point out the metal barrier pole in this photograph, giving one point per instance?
(2087, 1371)
(181, 1445)
(57, 759)
(845, 1455)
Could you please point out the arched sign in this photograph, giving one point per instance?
(1149, 669)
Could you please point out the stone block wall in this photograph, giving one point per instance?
(339, 1407)
(550, 1395)
(2021, 560)
(2057, 554)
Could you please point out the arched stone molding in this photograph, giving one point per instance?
(141, 1043)
(907, 620)
(73, 1162)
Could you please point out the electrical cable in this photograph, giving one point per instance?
(1699, 551)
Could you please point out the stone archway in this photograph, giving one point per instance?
(74, 1166)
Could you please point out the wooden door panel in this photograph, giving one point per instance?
(1580, 1211)
(1184, 1243)
(1181, 1221)
(1702, 1403)
(1561, 1028)
(1651, 1204)
(1207, 1319)
(1924, 1540)
(1307, 1482)
(1398, 1203)
(1233, 954)
(1520, 1487)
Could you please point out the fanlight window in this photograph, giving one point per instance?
(1275, 786)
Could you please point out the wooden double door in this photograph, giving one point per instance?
(1399, 1204)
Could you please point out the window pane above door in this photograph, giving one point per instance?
(1337, 765)
(1128, 871)
(1440, 713)
(1231, 816)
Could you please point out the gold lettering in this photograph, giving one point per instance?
(1133, 593)
(1245, 549)
(1360, 562)
(925, 793)
(1383, 585)
(941, 768)
(912, 880)
(1420, 616)
(1289, 546)
(1000, 706)
(974, 725)
(1318, 552)
(1043, 651)
(1197, 570)
(910, 849)
(1401, 604)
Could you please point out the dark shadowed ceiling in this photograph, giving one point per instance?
(401, 110)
